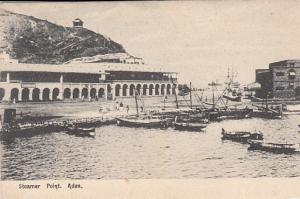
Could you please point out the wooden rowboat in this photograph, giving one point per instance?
(274, 147)
(142, 122)
(79, 131)
(241, 136)
(185, 126)
(189, 125)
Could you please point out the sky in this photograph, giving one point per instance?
(198, 39)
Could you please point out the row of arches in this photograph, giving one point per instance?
(144, 90)
(47, 94)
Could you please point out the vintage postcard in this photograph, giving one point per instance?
(149, 99)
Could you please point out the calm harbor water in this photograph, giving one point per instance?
(120, 152)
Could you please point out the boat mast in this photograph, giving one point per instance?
(136, 102)
(267, 101)
(212, 84)
(213, 95)
(232, 74)
(177, 106)
(191, 102)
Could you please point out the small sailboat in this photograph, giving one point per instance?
(190, 121)
(232, 91)
(218, 112)
(268, 111)
(144, 120)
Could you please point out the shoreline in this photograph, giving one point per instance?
(65, 110)
(75, 110)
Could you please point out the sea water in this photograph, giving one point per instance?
(134, 153)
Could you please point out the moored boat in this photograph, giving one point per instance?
(142, 122)
(26, 129)
(190, 125)
(268, 111)
(186, 126)
(241, 136)
(80, 131)
(224, 114)
(269, 114)
(274, 147)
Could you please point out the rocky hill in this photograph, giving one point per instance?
(32, 40)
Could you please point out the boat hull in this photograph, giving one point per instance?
(241, 136)
(82, 132)
(29, 131)
(229, 114)
(189, 126)
(140, 123)
(275, 148)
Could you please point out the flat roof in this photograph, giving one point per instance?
(262, 70)
(90, 68)
(283, 62)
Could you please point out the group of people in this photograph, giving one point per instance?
(120, 107)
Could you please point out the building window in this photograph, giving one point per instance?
(279, 88)
(292, 74)
(280, 74)
(292, 65)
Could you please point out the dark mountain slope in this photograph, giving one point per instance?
(32, 40)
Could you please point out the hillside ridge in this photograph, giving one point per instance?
(32, 40)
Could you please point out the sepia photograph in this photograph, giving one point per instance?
(149, 90)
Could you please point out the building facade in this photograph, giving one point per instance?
(83, 81)
(263, 77)
(77, 23)
(281, 80)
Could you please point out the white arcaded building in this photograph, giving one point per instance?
(101, 77)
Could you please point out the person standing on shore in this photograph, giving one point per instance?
(117, 106)
(127, 109)
(121, 106)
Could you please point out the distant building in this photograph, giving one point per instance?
(124, 58)
(251, 89)
(77, 23)
(84, 81)
(281, 80)
(263, 77)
